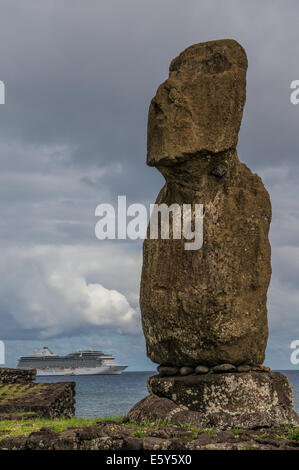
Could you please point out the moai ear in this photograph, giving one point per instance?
(199, 107)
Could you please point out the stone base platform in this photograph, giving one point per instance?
(13, 376)
(35, 400)
(245, 400)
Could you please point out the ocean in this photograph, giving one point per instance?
(114, 395)
(106, 395)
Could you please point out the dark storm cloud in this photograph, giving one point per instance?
(79, 77)
(82, 76)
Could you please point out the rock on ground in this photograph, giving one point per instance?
(115, 436)
(12, 376)
(222, 401)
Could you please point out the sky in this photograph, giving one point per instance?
(79, 77)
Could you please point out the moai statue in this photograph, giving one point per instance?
(206, 306)
(204, 310)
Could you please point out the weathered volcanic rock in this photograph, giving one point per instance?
(199, 107)
(154, 408)
(167, 371)
(20, 376)
(29, 400)
(201, 370)
(244, 368)
(219, 401)
(172, 437)
(223, 368)
(206, 306)
(186, 370)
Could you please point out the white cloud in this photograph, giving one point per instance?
(53, 290)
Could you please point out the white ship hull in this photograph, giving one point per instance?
(110, 370)
(76, 363)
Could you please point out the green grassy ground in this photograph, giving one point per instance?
(13, 428)
(24, 427)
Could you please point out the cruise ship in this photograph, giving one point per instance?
(77, 363)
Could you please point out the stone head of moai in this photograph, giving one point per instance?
(199, 108)
(206, 306)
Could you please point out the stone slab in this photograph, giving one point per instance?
(247, 400)
(37, 400)
(11, 376)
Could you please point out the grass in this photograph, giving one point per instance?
(24, 427)
(139, 433)
(210, 432)
(14, 428)
(148, 424)
(190, 438)
(294, 435)
(260, 436)
(280, 436)
(285, 426)
(236, 431)
(191, 427)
